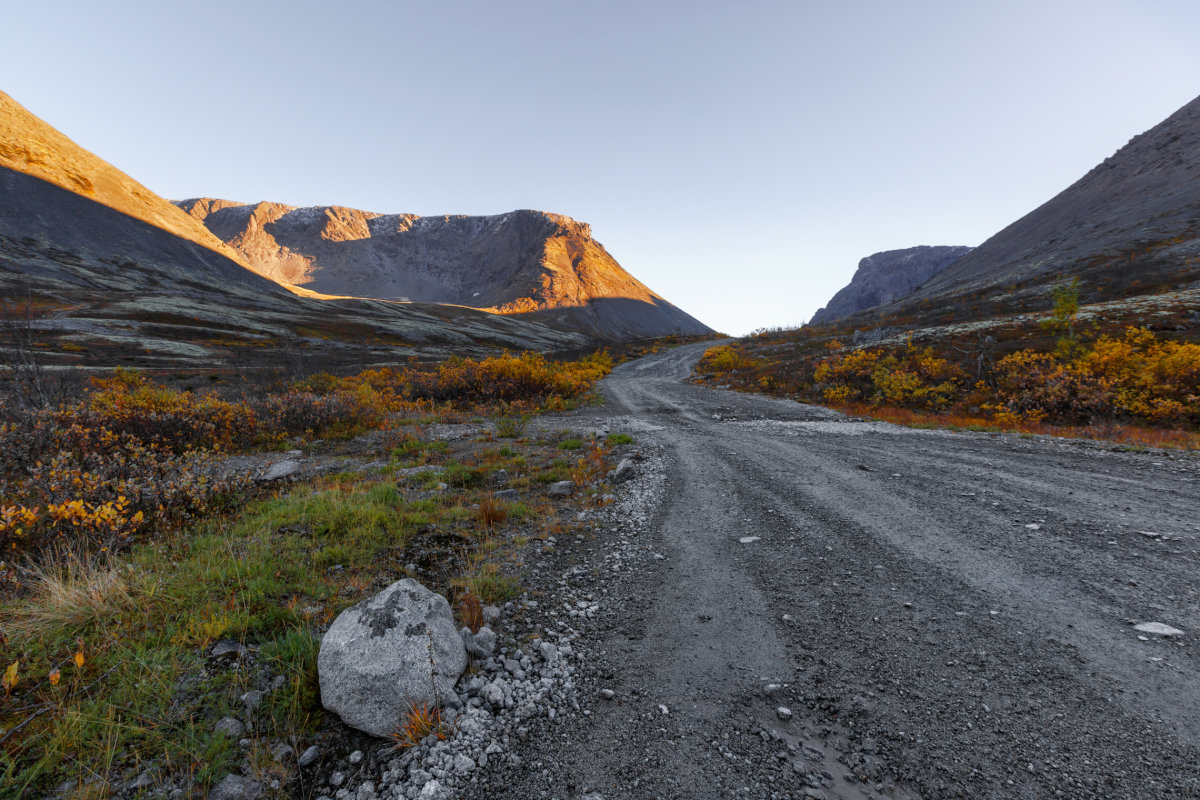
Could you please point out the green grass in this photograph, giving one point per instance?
(270, 576)
(614, 439)
(244, 579)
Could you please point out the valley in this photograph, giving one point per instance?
(322, 503)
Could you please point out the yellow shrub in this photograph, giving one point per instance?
(723, 358)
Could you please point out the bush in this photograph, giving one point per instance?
(723, 358)
(95, 486)
(130, 404)
(1136, 377)
(344, 412)
(910, 378)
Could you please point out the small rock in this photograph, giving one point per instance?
(235, 787)
(493, 694)
(749, 539)
(230, 727)
(309, 756)
(143, 781)
(784, 713)
(507, 495)
(281, 752)
(252, 699)
(624, 471)
(608, 694)
(1158, 629)
(1033, 526)
(481, 644)
(356, 757)
(562, 489)
(663, 709)
(280, 470)
(337, 779)
(432, 791)
(490, 614)
(228, 647)
(463, 764)
(1150, 534)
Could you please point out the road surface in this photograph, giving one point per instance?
(943, 614)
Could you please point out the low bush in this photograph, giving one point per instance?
(909, 378)
(723, 358)
(95, 487)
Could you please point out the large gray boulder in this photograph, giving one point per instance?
(382, 656)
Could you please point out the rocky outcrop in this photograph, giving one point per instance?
(1130, 224)
(888, 276)
(382, 657)
(515, 263)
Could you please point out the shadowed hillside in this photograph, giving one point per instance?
(514, 263)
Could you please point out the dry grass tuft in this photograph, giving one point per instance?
(69, 594)
(421, 721)
(492, 512)
(470, 610)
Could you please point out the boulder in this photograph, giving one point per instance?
(624, 471)
(280, 470)
(562, 489)
(395, 650)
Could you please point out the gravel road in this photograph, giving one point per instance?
(826, 607)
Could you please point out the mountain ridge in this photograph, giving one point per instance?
(1131, 224)
(516, 262)
(887, 276)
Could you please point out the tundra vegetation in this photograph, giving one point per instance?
(132, 540)
(1058, 374)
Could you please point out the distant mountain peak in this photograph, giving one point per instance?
(517, 262)
(888, 276)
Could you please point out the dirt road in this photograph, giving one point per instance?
(839, 608)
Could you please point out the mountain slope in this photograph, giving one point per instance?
(1130, 225)
(116, 274)
(30, 146)
(514, 263)
(887, 276)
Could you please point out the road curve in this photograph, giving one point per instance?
(944, 614)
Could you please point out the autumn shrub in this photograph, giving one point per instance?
(723, 358)
(912, 377)
(95, 486)
(492, 512)
(528, 380)
(339, 412)
(128, 403)
(528, 377)
(1133, 377)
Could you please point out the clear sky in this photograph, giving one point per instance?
(737, 157)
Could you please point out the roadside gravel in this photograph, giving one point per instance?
(812, 606)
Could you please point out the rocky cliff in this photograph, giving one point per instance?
(888, 276)
(1130, 225)
(519, 262)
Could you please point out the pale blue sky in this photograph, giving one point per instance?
(739, 158)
